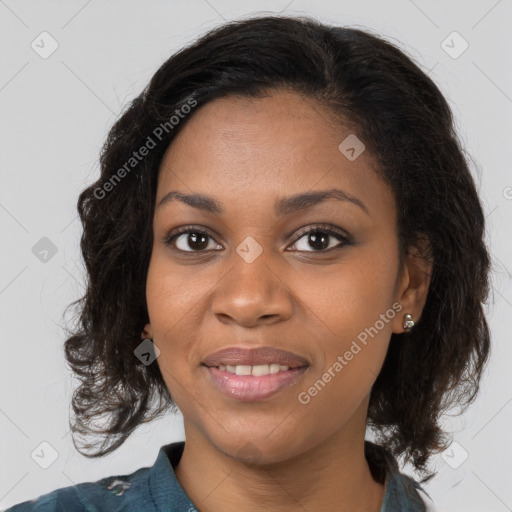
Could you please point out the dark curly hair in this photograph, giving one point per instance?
(405, 123)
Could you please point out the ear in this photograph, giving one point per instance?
(414, 282)
(147, 332)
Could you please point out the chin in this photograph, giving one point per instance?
(259, 448)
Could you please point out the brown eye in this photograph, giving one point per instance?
(316, 239)
(320, 239)
(189, 240)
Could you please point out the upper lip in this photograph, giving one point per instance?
(254, 356)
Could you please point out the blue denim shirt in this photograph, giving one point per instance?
(156, 489)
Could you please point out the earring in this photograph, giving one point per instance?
(408, 321)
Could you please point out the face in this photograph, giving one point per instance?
(321, 281)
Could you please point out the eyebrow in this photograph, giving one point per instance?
(283, 206)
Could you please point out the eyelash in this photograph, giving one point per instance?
(319, 228)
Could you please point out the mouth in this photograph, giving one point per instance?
(255, 374)
(252, 388)
(258, 358)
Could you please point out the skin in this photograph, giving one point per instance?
(247, 153)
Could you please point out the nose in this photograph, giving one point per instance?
(253, 293)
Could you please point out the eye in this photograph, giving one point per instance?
(189, 239)
(317, 238)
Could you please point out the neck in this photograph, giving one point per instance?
(333, 475)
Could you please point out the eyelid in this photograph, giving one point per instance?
(172, 234)
(330, 229)
(325, 227)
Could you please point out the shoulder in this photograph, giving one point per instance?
(402, 492)
(150, 489)
(113, 494)
(425, 498)
(405, 493)
(429, 504)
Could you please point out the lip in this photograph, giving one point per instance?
(254, 356)
(248, 388)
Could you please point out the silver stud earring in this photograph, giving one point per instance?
(408, 321)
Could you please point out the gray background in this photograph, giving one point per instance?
(55, 113)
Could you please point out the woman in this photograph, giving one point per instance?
(286, 244)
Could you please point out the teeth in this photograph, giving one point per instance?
(274, 368)
(257, 370)
(260, 369)
(241, 369)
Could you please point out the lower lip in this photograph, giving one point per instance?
(248, 388)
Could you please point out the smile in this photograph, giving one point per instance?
(253, 383)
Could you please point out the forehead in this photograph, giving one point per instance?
(253, 150)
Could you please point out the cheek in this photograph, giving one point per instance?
(173, 297)
(175, 318)
(350, 323)
(352, 296)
